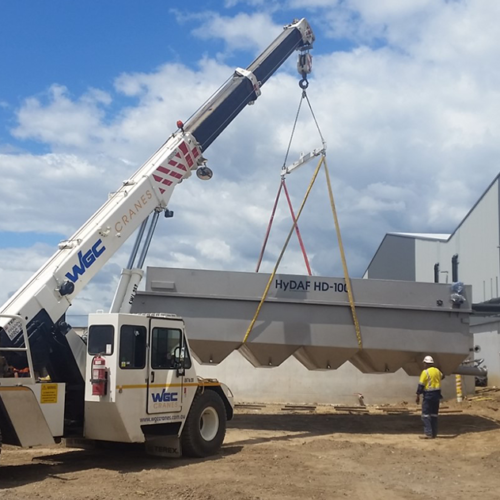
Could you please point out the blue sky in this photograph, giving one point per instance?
(406, 94)
(85, 44)
(88, 44)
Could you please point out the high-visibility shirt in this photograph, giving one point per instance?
(431, 378)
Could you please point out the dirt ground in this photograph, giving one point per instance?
(278, 453)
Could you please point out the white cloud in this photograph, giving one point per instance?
(16, 267)
(62, 122)
(215, 249)
(47, 193)
(243, 31)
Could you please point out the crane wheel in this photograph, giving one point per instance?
(205, 426)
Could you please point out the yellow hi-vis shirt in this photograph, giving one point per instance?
(431, 379)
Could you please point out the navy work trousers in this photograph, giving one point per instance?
(430, 410)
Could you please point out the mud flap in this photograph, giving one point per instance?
(163, 446)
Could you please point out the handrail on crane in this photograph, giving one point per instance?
(20, 323)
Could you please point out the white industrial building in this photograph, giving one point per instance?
(470, 254)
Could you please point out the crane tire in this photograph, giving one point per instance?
(205, 426)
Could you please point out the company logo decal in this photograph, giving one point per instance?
(164, 396)
(85, 260)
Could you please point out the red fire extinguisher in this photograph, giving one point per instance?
(99, 376)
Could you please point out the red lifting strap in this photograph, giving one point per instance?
(301, 243)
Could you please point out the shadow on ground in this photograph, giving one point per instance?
(320, 424)
(122, 458)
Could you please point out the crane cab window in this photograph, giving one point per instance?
(101, 339)
(165, 343)
(132, 347)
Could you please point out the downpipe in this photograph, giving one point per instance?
(474, 371)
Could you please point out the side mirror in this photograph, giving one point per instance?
(180, 358)
(180, 354)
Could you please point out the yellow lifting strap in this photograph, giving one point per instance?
(344, 263)
(321, 162)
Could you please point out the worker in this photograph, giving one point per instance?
(5, 369)
(430, 386)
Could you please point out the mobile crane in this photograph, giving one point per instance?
(135, 381)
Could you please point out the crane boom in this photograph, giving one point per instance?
(45, 298)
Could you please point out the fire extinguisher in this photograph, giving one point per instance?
(99, 376)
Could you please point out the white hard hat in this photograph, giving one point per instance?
(429, 360)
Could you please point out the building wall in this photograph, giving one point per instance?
(292, 383)
(476, 241)
(490, 352)
(384, 265)
(487, 337)
(429, 253)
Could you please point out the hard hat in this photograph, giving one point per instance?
(429, 360)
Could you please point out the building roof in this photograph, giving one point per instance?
(425, 236)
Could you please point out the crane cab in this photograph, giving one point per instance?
(141, 383)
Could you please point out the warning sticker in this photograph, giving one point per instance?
(48, 393)
(13, 328)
